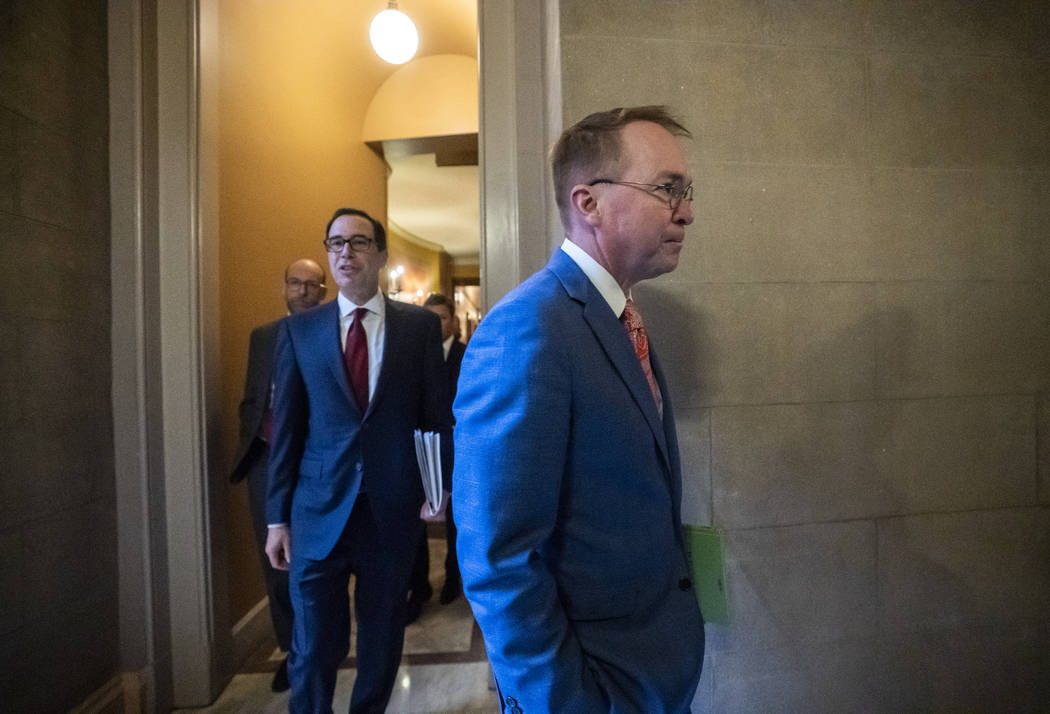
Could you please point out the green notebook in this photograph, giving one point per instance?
(709, 580)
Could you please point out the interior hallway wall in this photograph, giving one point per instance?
(58, 583)
(858, 335)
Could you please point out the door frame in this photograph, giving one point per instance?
(175, 638)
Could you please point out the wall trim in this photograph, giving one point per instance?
(251, 631)
(108, 698)
(520, 107)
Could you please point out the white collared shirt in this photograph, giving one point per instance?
(375, 329)
(447, 345)
(600, 278)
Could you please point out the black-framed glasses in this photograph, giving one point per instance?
(296, 283)
(358, 243)
(671, 193)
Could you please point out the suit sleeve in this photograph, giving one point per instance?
(512, 442)
(290, 419)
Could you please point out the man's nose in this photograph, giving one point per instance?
(683, 215)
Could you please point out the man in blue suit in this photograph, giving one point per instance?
(352, 379)
(567, 479)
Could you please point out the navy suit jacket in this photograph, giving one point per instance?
(453, 363)
(256, 397)
(567, 499)
(324, 450)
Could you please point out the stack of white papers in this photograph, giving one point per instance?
(428, 454)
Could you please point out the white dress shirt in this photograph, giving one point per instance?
(600, 278)
(375, 329)
(603, 282)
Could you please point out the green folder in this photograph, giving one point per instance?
(708, 565)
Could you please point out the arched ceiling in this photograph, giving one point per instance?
(324, 46)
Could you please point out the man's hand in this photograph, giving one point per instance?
(424, 510)
(279, 547)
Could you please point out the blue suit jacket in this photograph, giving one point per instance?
(324, 449)
(567, 501)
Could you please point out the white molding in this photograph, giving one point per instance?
(107, 698)
(520, 106)
(395, 227)
(142, 583)
(199, 635)
(251, 631)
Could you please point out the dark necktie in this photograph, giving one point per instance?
(356, 358)
(632, 322)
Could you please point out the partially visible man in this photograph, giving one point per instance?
(445, 309)
(567, 480)
(303, 288)
(352, 380)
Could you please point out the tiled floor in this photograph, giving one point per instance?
(443, 668)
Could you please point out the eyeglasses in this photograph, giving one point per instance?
(296, 283)
(673, 194)
(358, 243)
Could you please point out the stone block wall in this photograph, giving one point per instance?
(58, 583)
(857, 336)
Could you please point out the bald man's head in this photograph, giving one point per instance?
(303, 285)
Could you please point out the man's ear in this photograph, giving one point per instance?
(585, 204)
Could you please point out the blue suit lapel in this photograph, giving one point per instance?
(330, 342)
(613, 339)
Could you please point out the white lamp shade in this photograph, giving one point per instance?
(394, 36)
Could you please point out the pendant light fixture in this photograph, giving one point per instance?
(393, 35)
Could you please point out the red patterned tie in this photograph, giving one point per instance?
(632, 322)
(356, 358)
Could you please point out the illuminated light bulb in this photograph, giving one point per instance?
(393, 35)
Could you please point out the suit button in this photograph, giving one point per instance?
(359, 467)
(685, 584)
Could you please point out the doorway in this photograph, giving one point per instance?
(174, 608)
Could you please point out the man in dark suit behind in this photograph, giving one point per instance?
(445, 309)
(303, 288)
(352, 380)
(567, 481)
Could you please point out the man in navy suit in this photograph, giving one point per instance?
(303, 288)
(445, 309)
(567, 478)
(352, 380)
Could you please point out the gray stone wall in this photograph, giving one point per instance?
(858, 335)
(58, 580)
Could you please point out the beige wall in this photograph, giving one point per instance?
(858, 336)
(423, 266)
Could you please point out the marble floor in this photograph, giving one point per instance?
(443, 667)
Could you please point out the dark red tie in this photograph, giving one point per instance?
(632, 322)
(356, 358)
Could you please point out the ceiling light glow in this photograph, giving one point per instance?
(394, 35)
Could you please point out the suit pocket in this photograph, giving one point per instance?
(600, 604)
